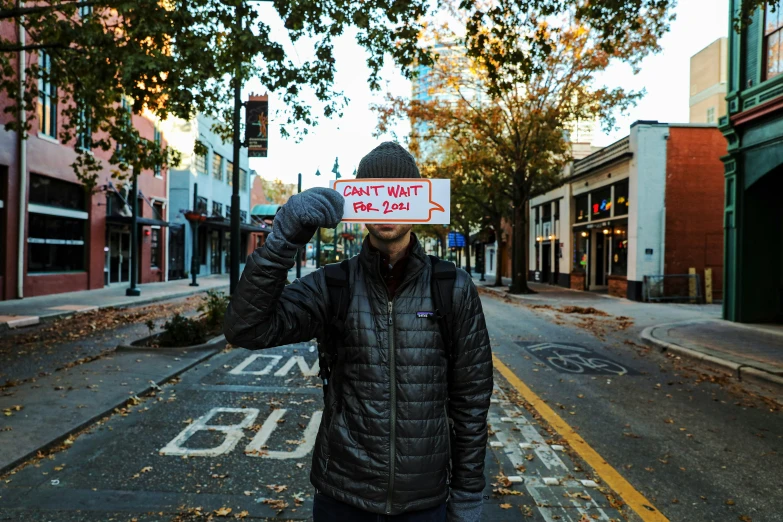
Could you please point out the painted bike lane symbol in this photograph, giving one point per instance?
(571, 358)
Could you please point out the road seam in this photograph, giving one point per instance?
(611, 477)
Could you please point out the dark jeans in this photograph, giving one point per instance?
(327, 509)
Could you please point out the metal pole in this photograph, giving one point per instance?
(318, 248)
(132, 291)
(299, 252)
(235, 239)
(194, 260)
(483, 260)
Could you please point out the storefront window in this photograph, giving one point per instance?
(580, 250)
(601, 203)
(582, 212)
(621, 198)
(620, 249)
(55, 244)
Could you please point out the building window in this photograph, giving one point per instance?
(711, 115)
(582, 212)
(243, 216)
(621, 198)
(217, 209)
(201, 164)
(155, 247)
(57, 226)
(228, 211)
(84, 132)
(243, 180)
(85, 11)
(620, 249)
(580, 249)
(55, 243)
(201, 205)
(601, 203)
(230, 172)
(217, 166)
(773, 40)
(156, 138)
(47, 97)
(54, 192)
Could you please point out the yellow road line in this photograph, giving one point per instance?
(608, 474)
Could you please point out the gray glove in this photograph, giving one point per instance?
(464, 506)
(297, 220)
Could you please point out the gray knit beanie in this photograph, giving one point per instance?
(388, 160)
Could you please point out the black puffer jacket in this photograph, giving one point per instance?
(383, 445)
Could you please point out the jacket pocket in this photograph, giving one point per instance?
(449, 433)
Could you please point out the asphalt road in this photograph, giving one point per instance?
(236, 432)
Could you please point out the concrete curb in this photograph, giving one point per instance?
(203, 355)
(743, 372)
(220, 341)
(128, 303)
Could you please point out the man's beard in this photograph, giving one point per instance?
(388, 235)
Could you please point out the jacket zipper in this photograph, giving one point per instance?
(329, 440)
(393, 381)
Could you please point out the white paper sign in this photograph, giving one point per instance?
(403, 201)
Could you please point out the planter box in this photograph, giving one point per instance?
(577, 281)
(140, 345)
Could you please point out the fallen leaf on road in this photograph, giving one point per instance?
(223, 512)
(745, 518)
(241, 514)
(730, 502)
(669, 421)
(505, 506)
(277, 488)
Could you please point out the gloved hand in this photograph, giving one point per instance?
(297, 220)
(464, 506)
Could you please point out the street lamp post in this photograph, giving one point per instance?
(235, 238)
(133, 291)
(299, 252)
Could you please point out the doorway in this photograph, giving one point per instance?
(119, 255)
(546, 262)
(176, 252)
(600, 259)
(214, 252)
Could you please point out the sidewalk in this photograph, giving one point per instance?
(16, 313)
(42, 414)
(751, 352)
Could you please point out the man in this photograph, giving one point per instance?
(384, 449)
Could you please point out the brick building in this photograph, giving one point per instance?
(647, 205)
(56, 236)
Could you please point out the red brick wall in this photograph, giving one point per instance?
(694, 203)
(618, 286)
(577, 281)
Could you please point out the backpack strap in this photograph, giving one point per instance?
(444, 274)
(339, 291)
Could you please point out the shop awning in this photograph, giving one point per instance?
(264, 210)
(141, 221)
(225, 224)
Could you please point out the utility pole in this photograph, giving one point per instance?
(235, 237)
(195, 262)
(299, 252)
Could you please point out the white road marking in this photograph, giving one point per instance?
(308, 438)
(240, 369)
(539, 487)
(233, 433)
(307, 371)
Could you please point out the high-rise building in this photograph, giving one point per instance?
(709, 69)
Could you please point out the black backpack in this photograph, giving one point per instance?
(444, 273)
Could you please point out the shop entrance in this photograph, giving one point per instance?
(119, 255)
(546, 263)
(600, 259)
(215, 252)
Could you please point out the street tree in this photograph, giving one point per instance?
(110, 59)
(509, 89)
(278, 192)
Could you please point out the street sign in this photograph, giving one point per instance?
(257, 126)
(456, 240)
(403, 201)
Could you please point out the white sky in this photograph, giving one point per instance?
(665, 77)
